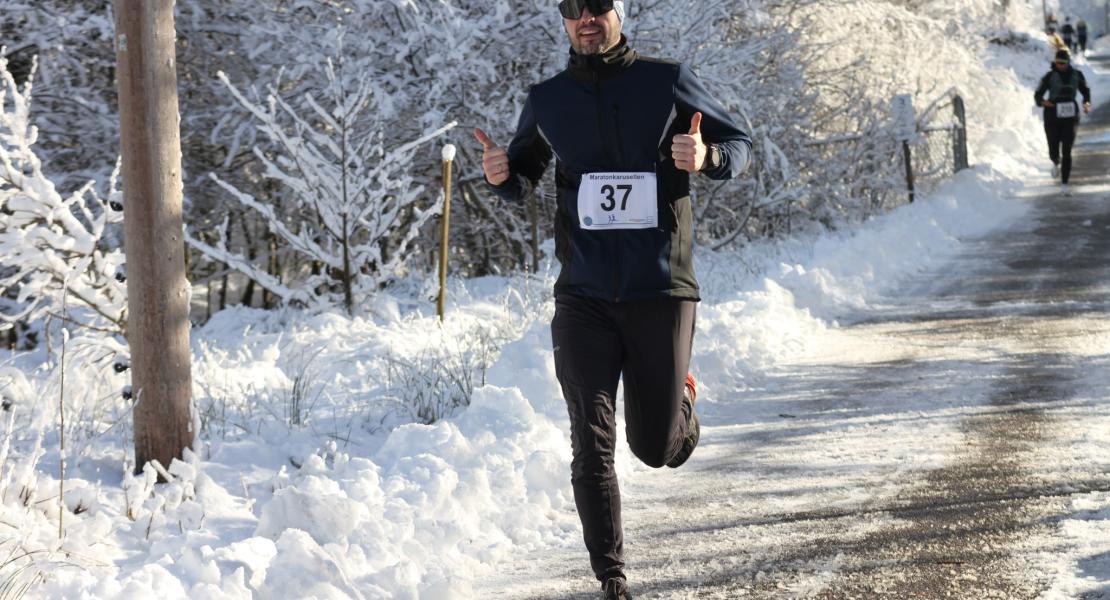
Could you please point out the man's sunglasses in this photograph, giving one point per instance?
(572, 9)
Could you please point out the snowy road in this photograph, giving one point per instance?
(928, 449)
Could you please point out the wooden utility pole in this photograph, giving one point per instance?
(157, 300)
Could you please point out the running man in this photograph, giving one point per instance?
(627, 132)
(1061, 112)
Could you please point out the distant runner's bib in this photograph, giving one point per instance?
(618, 201)
(1066, 110)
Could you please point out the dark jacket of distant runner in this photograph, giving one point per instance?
(613, 113)
(1061, 88)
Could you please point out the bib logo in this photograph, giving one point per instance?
(588, 221)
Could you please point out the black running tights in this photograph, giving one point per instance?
(1061, 133)
(596, 342)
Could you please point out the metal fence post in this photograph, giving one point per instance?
(959, 138)
(905, 128)
(909, 167)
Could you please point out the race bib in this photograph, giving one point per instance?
(617, 201)
(1066, 110)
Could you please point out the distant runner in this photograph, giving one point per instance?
(1068, 33)
(627, 133)
(1081, 35)
(1061, 112)
(1055, 40)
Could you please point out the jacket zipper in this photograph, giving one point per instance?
(620, 161)
(601, 132)
(606, 146)
(617, 131)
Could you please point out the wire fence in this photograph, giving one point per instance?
(939, 148)
(932, 148)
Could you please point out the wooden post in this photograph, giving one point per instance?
(448, 158)
(157, 300)
(534, 217)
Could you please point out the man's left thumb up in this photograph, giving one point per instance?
(695, 124)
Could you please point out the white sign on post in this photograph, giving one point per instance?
(901, 112)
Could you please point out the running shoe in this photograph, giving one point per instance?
(693, 427)
(615, 588)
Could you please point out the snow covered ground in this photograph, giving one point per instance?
(305, 487)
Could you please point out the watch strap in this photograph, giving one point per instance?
(712, 158)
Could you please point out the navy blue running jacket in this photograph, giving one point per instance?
(617, 112)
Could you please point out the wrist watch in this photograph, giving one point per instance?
(712, 158)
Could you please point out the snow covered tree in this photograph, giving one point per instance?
(755, 58)
(433, 62)
(71, 40)
(52, 244)
(474, 64)
(352, 208)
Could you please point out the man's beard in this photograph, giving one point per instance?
(599, 47)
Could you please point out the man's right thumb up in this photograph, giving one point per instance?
(495, 160)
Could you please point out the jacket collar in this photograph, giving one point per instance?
(594, 67)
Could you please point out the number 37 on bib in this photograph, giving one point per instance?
(618, 201)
